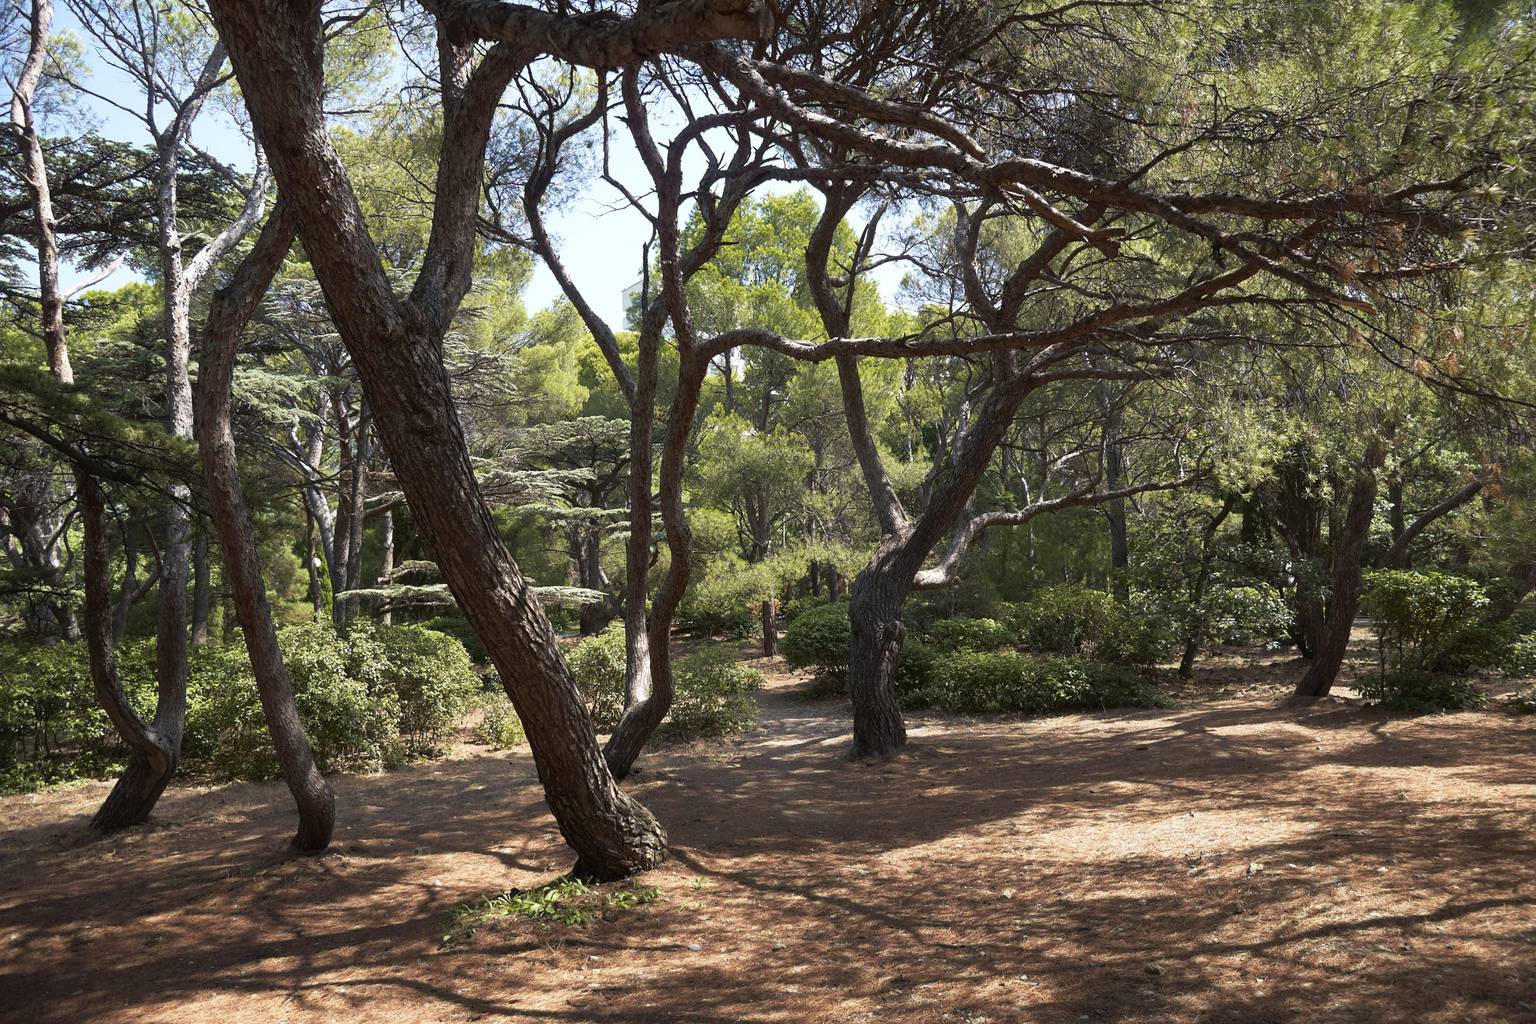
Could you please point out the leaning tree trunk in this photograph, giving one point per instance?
(1346, 585)
(231, 308)
(397, 346)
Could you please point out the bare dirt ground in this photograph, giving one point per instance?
(1227, 860)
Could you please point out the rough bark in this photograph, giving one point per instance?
(1345, 578)
(397, 348)
(153, 755)
(231, 309)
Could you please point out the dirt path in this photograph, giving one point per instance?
(1221, 861)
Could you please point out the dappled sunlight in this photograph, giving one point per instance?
(1233, 861)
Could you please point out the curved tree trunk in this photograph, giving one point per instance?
(232, 307)
(641, 720)
(153, 756)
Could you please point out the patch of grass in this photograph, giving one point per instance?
(567, 901)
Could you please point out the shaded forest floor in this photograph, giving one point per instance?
(1225, 860)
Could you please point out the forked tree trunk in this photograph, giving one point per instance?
(1346, 581)
(641, 719)
(231, 308)
(397, 346)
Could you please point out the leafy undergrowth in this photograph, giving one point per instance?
(567, 902)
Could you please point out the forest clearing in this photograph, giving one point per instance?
(951, 511)
(1223, 860)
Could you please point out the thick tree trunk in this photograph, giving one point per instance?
(231, 309)
(1346, 585)
(874, 613)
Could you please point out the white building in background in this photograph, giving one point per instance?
(631, 300)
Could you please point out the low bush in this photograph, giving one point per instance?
(1245, 615)
(598, 664)
(914, 673)
(370, 699)
(1007, 681)
(51, 727)
(711, 692)
(1429, 621)
(1418, 692)
(429, 675)
(500, 727)
(818, 639)
(713, 696)
(969, 635)
(1074, 619)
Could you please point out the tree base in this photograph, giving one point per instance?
(134, 796)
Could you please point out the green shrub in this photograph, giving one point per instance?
(368, 699)
(711, 693)
(429, 674)
(818, 639)
(351, 726)
(1130, 639)
(52, 730)
(501, 728)
(969, 635)
(1415, 691)
(1073, 619)
(914, 673)
(1519, 657)
(1428, 620)
(598, 664)
(795, 607)
(1064, 619)
(1244, 615)
(1034, 684)
(712, 696)
(457, 626)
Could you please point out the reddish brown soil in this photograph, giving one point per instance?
(1224, 861)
